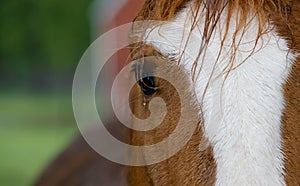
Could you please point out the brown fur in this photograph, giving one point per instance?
(189, 166)
(188, 163)
(291, 115)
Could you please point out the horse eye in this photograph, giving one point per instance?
(144, 76)
(147, 85)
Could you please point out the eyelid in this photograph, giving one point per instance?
(137, 68)
(143, 68)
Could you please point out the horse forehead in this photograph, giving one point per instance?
(180, 39)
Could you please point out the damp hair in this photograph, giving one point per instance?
(245, 10)
(210, 11)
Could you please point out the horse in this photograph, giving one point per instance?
(241, 85)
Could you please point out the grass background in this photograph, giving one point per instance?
(41, 43)
(34, 127)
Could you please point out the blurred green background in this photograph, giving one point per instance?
(41, 43)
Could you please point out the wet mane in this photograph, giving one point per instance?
(166, 9)
(243, 10)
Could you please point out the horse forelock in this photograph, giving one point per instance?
(241, 12)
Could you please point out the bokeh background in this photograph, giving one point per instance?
(41, 43)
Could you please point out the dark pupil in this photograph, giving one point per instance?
(147, 85)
